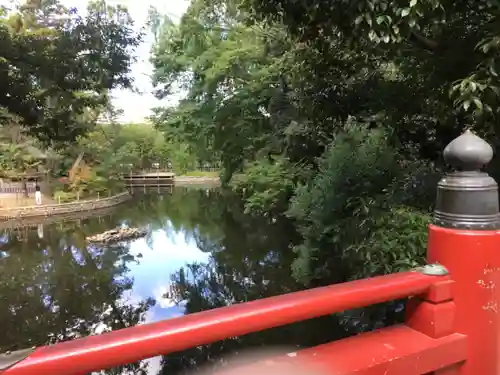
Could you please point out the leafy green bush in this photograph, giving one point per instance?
(356, 216)
(265, 185)
(96, 184)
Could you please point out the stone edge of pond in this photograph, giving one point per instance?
(63, 208)
(31, 221)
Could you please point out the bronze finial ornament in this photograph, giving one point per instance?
(467, 198)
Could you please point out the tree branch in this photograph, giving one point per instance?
(424, 42)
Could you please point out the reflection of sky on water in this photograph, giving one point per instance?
(170, 251)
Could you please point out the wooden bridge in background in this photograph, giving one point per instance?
(149, 179)
(452, 315)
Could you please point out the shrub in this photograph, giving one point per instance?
(266, 185)
(64, 196)
(96, 184)
(357, 217)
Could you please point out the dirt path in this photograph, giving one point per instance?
(18, 200)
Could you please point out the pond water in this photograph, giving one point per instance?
(201, 252)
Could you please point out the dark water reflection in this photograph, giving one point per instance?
(201, 252)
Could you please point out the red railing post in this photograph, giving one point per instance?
(465, 239)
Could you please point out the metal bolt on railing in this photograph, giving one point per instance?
(432, 270)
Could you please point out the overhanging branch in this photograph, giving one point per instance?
(423, 41)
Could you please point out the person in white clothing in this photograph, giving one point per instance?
(38, 195)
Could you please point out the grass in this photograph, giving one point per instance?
(200, 174)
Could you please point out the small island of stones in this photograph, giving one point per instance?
(117, 235)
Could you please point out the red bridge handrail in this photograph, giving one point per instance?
(127, 345)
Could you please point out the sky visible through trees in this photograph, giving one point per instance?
(137, 105)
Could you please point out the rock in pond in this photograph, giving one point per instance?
(116, 235)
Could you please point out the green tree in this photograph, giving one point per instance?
(114, 149)
(339, 130)
(56, 64)
(361, 206)
(441, 56)
(230, 78)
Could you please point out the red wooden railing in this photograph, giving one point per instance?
(452, 324)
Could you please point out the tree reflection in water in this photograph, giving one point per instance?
(58, 287)
(250, 259)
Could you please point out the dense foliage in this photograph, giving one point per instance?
(98, 161)
(126, 147)
(56, 66)
(339, 132)
(446, 53)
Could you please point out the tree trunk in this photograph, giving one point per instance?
(25, 188)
